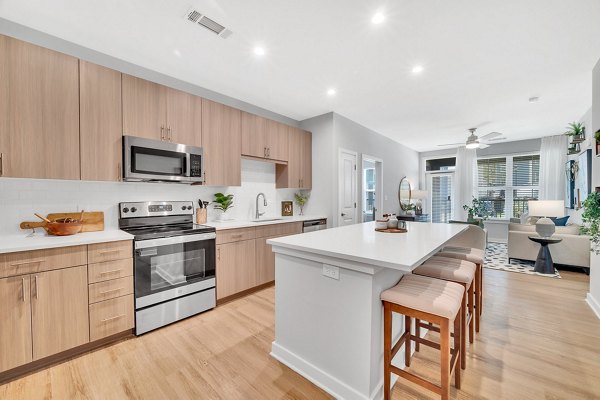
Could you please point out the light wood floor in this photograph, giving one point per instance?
(539, 340)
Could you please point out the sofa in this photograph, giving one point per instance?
(574, 250)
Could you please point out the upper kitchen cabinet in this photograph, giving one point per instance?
(39, 104)
(222, 144)
(100, 122)
(158, 112)
(264, 138)
(298, 171)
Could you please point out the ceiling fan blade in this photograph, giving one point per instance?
(451, 144)
(483, 146)
(491, 135)
(496, 139)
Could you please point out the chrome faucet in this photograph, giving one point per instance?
(258, 214)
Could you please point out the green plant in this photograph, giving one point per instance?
(224, 201)
(301, 199)
(591, 220)
(597, 135)
(478, 208)
(575, 129)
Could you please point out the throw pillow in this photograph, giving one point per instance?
(561, 221)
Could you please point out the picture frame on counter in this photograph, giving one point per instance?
(287, 209)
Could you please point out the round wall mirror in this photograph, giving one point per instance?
(404, 194)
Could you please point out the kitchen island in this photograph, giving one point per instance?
(328, 315)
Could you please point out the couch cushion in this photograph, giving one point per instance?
(568, 230)
(560, 221)
(521, 227)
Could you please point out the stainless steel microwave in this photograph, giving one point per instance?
(147, 160)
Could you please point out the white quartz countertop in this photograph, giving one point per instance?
(14, 243)
(361, 243)
(221, 225)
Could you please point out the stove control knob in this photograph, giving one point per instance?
(125, 210)
(189, 207)
(183, 208)
(133, 209)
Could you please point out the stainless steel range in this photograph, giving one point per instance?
(174, 262)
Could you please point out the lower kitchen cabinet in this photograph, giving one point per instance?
(59, 315)
(236, 269)
(15, 329)
(110, 317)
(265, 262)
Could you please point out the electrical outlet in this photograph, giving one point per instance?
(331, 271)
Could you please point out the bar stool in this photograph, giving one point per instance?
(458, 271)
(432, 300)
(477, 257)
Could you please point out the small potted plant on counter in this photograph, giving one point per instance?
(224, 202)
(301, 199)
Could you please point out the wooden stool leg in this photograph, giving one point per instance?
(480, 289)
(445, 358)
(471, 315)
(478, 296)
(457, 341)
(387, 349)
(408, 342)
(417, 333)
(463, 336)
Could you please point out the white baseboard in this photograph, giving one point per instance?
(594, 304)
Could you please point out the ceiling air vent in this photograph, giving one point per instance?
(202, 20)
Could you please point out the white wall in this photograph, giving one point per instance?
(594, 294)
(20, 198)
(332, 132)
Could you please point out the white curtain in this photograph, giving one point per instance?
(465, 181)
(553, 156)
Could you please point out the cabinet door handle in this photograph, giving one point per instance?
(162, 132)
(111, 291)
(108, 252)
(27, 263)
(269, 152)
(112, 318)
(119, 172)
(169, 135)
(114, 271)
(1, 164)
(219, 254)
(35, 286)
(264, 152)
(23, 290)
(236, 236)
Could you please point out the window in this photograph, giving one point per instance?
(506, 184)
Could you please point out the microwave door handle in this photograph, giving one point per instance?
(188, 165)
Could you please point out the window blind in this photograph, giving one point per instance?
(441, 201)
(526, 180)
(492, 184)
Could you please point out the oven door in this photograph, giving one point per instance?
(168, 268)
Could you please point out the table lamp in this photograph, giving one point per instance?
(419, 196)
(546, 208)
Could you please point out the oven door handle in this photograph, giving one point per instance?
(144, 244)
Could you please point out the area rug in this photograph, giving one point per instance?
(496, 257)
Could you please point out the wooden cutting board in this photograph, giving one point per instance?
(93, 221)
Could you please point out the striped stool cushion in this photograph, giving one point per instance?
(449, 269)
(428, 295)
(464, 253)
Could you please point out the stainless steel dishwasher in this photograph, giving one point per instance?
(314, 225)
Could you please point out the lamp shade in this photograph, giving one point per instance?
(418, 194)
(546, 208)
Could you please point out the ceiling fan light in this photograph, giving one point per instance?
(473, 145)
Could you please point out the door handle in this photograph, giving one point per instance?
(343, 214)
(1, 164)
(219, 254)
(269, 152)
(265, 152)
(162, 132)
(169, 135)
(119, 173)
(23, 290)
(35, 286)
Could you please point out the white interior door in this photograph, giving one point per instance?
(440, 189)
(347, 188)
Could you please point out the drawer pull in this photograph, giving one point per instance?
(112, 318)
(113, 271)
(111, 291)
(108, 252)
(23, 290)
(27, 263)
(236, 236)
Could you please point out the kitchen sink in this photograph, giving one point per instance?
(267, 219)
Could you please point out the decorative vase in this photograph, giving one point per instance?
(301, 210)
(470, 217)
(224, 216)
(545, 227)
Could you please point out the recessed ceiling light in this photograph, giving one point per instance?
(331, 92)
(378, 18)
(534, 99)
(417, 69)
(259, 51)
(177, 53)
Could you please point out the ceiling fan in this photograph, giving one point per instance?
(474, 142)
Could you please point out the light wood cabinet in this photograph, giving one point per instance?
(39, 134)
(264, 138)
(158, 112)
(110, 251)
(100, 122)
(221, 140)
(15, 329)
(28, 262)
(236, 269)
(298, 171)
(265, 262)
(111, 317)
(59, 310)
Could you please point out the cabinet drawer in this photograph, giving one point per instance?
(235, 235)
(290, 228)
(28, 262)
(110, 289)
(110, 251)
(105, 271)
(111, 316)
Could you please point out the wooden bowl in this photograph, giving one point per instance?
(63, 227)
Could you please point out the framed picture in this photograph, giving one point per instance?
(584, 180)
(570, 184)
(287, 208)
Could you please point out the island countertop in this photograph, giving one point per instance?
(361, 243)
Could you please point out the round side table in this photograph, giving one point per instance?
(544, 263)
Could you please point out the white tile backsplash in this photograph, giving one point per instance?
(20, 198)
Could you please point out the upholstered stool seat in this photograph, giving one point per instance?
(436, 301)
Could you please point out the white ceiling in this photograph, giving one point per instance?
(483, 59)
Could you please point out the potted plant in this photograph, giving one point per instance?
(223, 202)
(597, 137)
(301, 199)
(591, 220)
(576, 130)
(479, 209)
